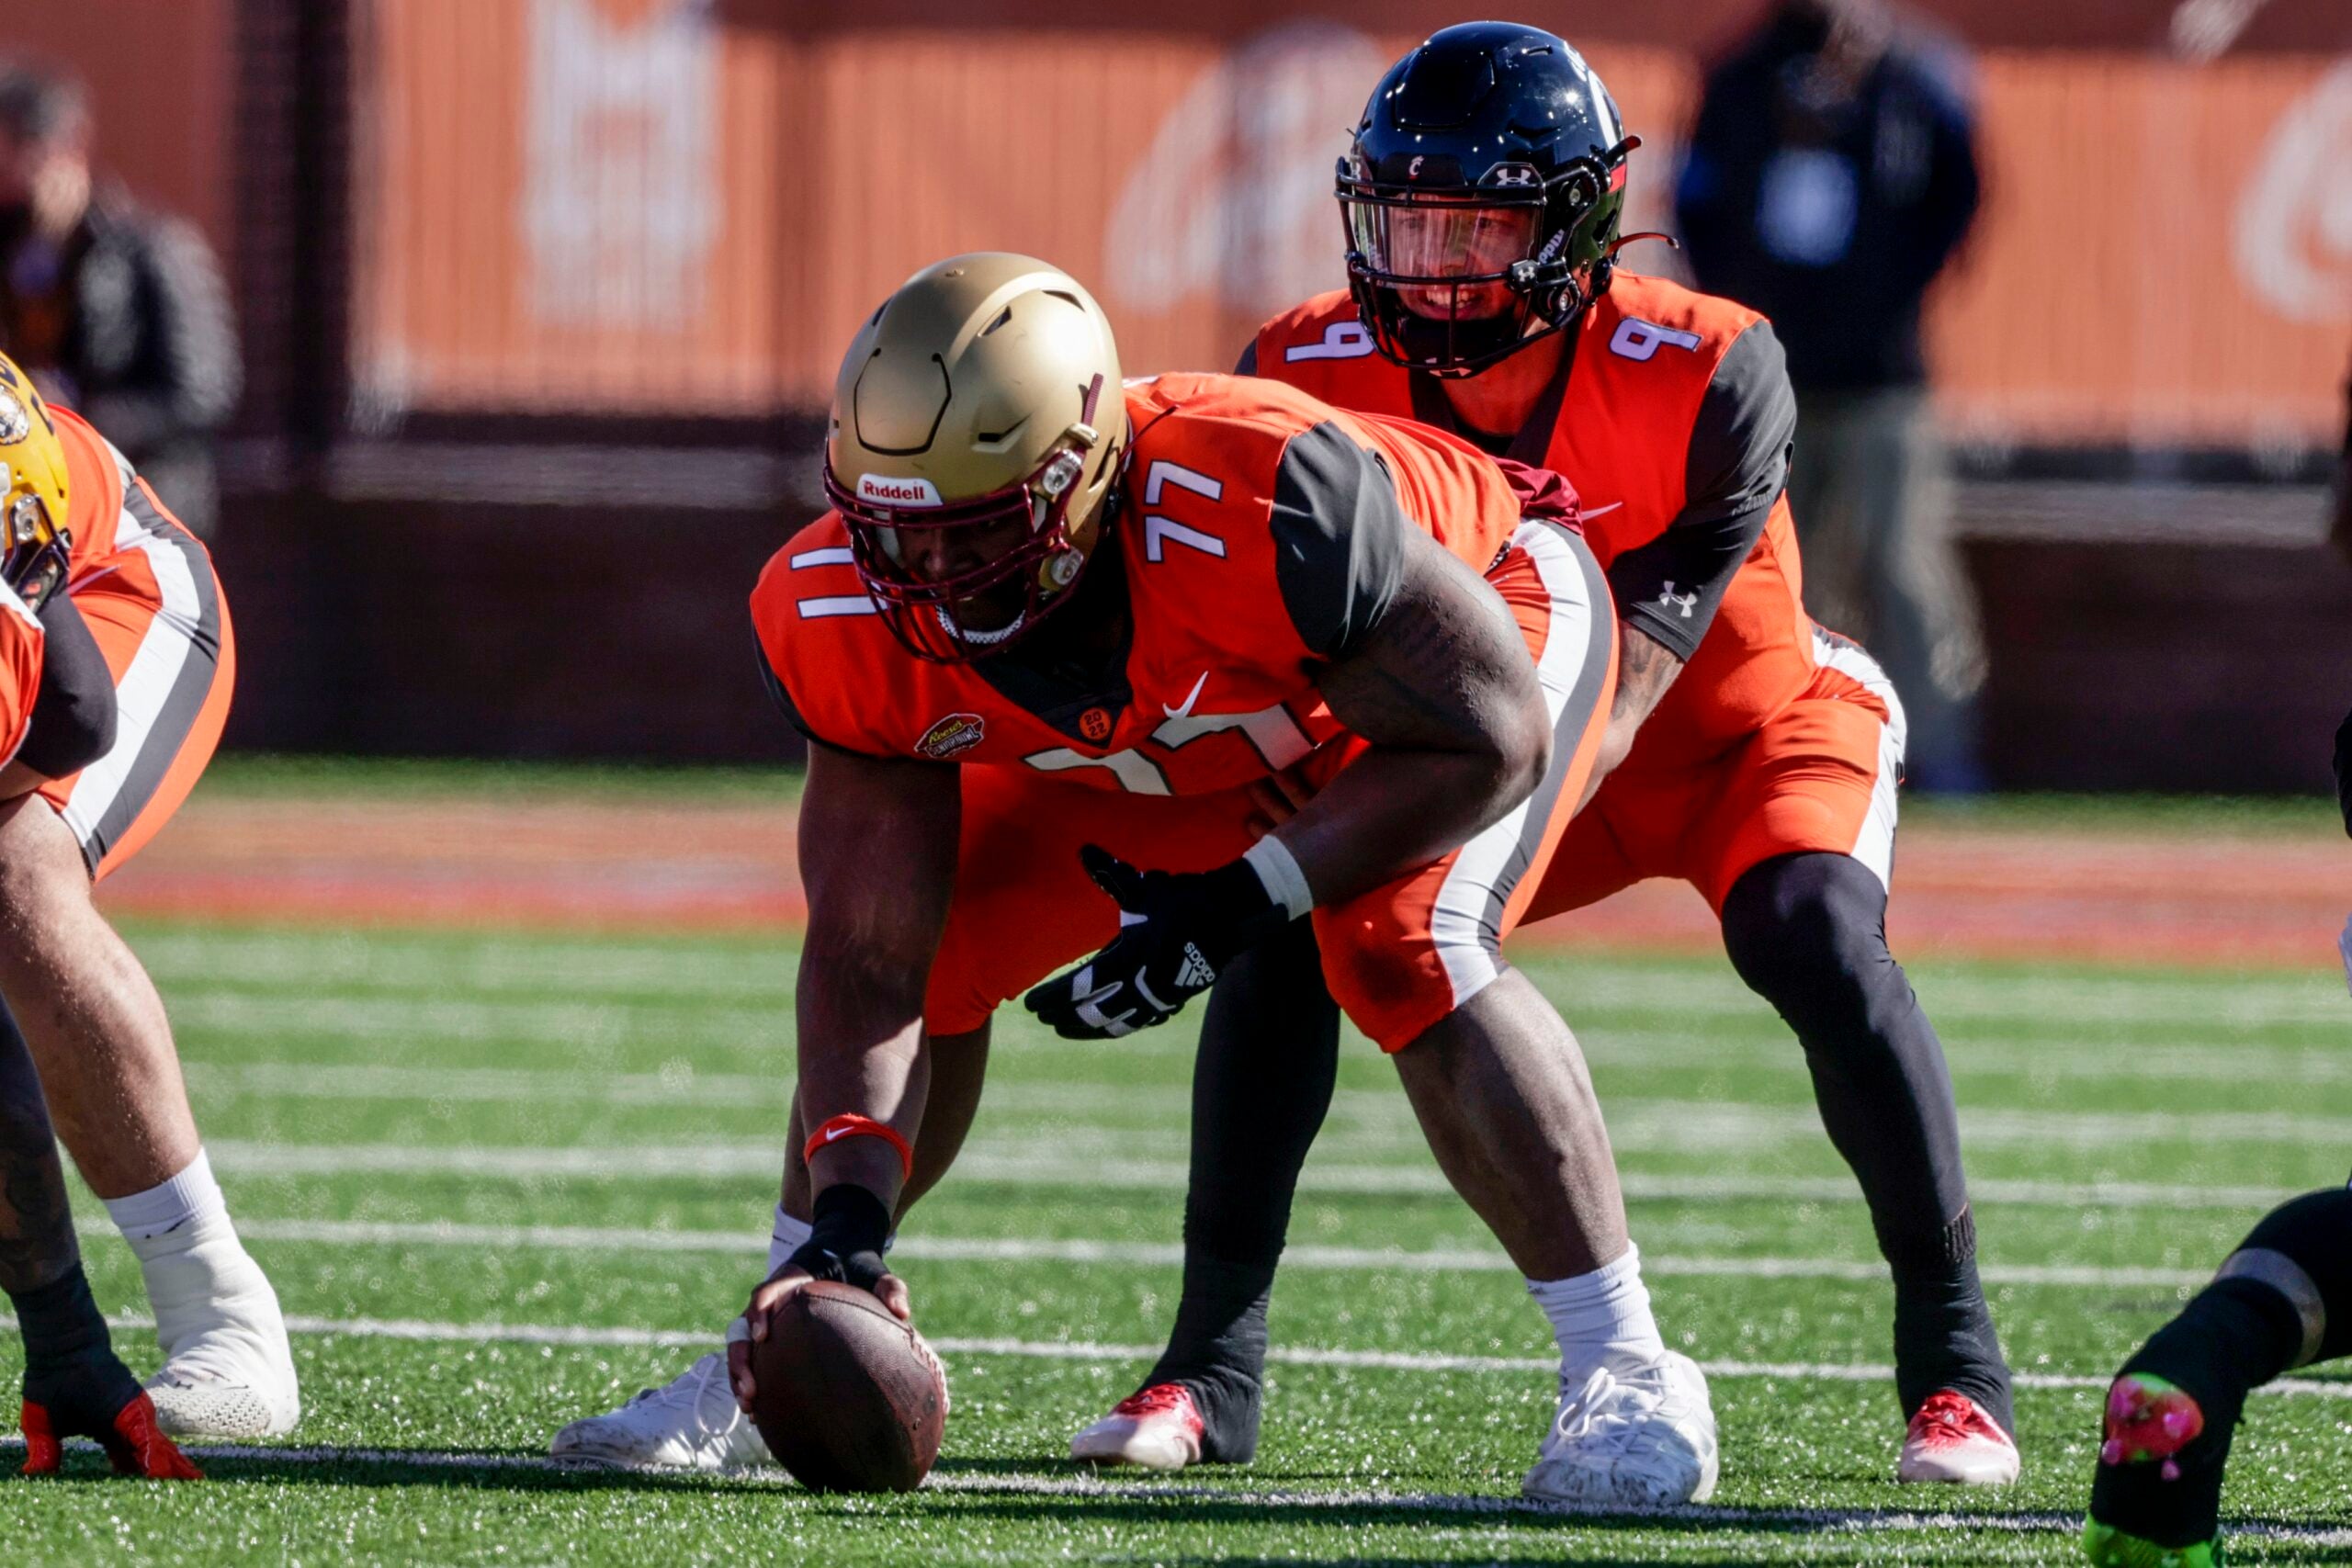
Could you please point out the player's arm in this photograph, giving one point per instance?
(877, 864)
(1419, 657)
(1667, 591)
(1440, 686)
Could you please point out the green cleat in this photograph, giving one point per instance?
(2110, 1548)
(2151, 1426)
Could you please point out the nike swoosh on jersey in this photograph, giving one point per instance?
(1186, 711)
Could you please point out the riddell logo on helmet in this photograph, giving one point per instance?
(951, 735)
(888, 492)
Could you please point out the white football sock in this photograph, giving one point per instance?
(145, 1217)
(1601, 1316)
(788, 1237)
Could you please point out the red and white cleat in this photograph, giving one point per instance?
(1158, 1427)
(1951, 1439)
(134, 1445)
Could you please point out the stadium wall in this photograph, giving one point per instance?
(527, 408)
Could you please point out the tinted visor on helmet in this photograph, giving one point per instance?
(1436, 271)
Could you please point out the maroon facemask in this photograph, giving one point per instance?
(966, 612)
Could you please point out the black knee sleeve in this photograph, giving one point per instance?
(1262, 1085)
(1808, 933)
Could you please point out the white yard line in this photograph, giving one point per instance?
(1367, 1124)
(1083, 1486)
(1021, 1249)
(1611, 1051)
(1025, 1168)
(572, 1336)
(1637, 985)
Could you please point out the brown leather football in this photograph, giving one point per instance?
(849, 1398)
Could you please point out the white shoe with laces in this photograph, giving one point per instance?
(1157, 1428)
(691, 1423)
(1630, 1437)
(228, 1369)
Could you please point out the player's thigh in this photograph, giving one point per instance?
(1024, 907)
(1403, 956)
(163, 624)
(1629, 831)
(1819, 776)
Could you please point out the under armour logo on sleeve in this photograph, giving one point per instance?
(1671, 600)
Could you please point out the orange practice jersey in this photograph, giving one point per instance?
(1644, 359)
(1258, 534)
(97, 473)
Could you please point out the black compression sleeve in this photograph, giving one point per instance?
(74, 709)
(1735, 466)
(1339, 534)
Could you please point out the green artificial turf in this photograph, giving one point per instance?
(502, 1181)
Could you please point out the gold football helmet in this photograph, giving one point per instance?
(33, 490)
(977, 425)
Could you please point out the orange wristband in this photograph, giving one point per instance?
(851, 1125)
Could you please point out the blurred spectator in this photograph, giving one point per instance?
(1830, 176)
(117, 312)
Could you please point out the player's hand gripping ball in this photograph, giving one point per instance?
(845, 1392)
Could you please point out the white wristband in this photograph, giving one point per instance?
(1278, 870)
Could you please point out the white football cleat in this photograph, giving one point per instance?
(1951, 1439)
(690, 1423)
(228, 1370)
(1158, 1427)
(1631, 1436)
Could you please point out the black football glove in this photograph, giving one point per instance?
(1177, 931)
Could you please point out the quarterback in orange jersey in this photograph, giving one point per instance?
(1050, 647)
(117, 674)
(1750, 753)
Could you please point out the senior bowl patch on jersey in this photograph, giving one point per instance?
(951, 735)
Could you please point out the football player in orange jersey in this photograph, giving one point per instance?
(109, 706)
(1750, 752)
(1053, 631)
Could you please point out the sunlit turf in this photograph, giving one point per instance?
(609, 1114)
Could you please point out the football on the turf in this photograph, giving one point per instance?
(849, 1398)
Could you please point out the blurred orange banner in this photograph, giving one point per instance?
(603, 205)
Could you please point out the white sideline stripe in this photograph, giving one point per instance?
(763, 1161)
(571, 1335)
(1024, 1249)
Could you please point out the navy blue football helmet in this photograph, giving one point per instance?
(1482, 194)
